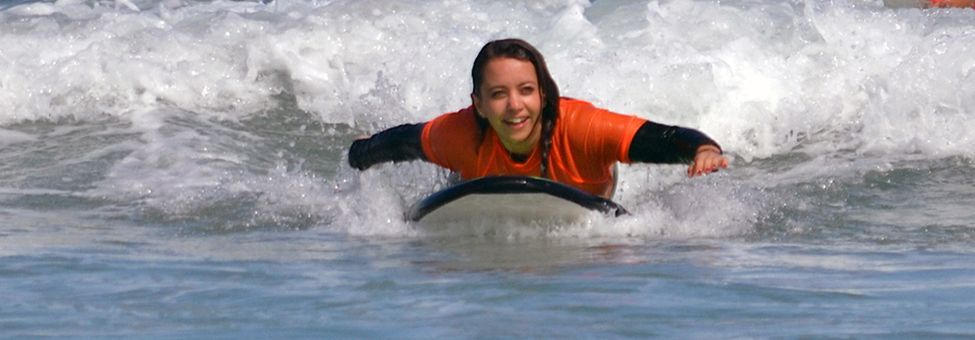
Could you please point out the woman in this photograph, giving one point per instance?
(519, 125)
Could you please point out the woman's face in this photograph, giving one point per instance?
(511, 101)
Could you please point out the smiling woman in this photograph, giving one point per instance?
(519, 125)
(513, 103)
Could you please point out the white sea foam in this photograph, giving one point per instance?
(8, 137)
(763, 78)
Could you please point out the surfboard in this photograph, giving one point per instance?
(510, 197)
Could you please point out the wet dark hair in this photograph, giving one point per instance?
(522, 50)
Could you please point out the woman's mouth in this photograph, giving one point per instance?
(516, 122)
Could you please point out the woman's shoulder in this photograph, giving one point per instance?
(451, 137)
(571, 109)
(582, 118)
(572, 104)
(453, 126)
(462, 117)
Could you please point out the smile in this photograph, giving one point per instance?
(515, 121)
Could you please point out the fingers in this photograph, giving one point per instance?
(696, 170)
(705, 164)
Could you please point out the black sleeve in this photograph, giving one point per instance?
(396, 144)
(658, 143)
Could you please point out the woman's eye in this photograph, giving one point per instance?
(527, 90)
(497, 94)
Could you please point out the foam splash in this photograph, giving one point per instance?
(8, 137)
(764, 78)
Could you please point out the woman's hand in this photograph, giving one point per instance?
(708, 159)
(359, 155)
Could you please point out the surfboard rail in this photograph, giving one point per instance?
(512, 185)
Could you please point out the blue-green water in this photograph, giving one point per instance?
(179, 171)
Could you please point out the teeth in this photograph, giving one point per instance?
(516, 120)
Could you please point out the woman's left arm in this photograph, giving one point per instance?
(658, 143)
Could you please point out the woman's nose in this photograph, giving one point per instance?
(515, 103)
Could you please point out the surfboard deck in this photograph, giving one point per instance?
(510, 197)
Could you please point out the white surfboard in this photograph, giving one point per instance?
(507, 198)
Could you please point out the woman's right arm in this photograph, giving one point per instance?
(396, 144)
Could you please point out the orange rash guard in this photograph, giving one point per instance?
(952, 3)
(586, 143)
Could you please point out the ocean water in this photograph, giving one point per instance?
(177, 168)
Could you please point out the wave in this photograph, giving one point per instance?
(764, 77)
